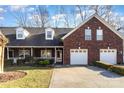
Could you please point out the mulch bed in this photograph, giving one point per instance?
(7, 76)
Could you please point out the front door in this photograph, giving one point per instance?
(59, 56)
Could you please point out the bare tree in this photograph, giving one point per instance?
(55, 18)
(65, 17)
(106, 12)
(83, 11)
(20, 17)
(39, 17)
(42, 17)
(102, 10)
(73, 15)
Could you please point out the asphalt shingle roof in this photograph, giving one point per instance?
(36, 37)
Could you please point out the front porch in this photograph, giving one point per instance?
(50, 53)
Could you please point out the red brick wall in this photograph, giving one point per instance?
(77, 39)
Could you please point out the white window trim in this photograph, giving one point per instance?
(45, 55)
(17, 33)
(99, 35)
(22, 31)
(88, 35)
(24, 52)
(46, 34)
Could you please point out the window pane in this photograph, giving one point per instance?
(11, 53)
(87, 31)
(20, 35)
(24, 53)
(99, 35)
(49, 52)
(88, 37)
(99, 32)
(88, 34)
(27, 52)
(49, 34)
(43, 54)
(46, 53)
(21, 53)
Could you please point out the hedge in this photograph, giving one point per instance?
(44, 62)
(110, 67)
(102, 64)
(117, 69)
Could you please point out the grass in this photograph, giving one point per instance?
(37, 77)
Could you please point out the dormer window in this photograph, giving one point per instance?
(21, 33)
(49, 34)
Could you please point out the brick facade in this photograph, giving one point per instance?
(77, 39)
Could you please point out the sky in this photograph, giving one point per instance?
(7, 18)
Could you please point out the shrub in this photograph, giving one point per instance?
(102, 64)
(113, 68)
(29, 60)
(37, 61)
(20, 61)
(45, 62)
(117, 69)
(51, 61)
(8, 62)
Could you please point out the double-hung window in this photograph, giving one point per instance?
(46, 53)
(24, 53)
(99, 34)
(88, 35)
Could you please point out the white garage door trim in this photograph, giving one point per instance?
(108, 55)
(78, 56)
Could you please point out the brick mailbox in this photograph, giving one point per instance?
(3, 42)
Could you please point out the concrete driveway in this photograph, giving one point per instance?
(85, 77)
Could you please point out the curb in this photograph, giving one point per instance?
(52, 78)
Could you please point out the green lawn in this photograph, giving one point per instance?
(37, 77)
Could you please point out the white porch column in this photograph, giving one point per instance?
(55, 56)
(31, 51)
(7, 53)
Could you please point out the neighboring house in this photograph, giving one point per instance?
(92, 40)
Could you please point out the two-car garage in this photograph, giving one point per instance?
(80, 56)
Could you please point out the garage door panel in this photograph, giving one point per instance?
(108, 55)
(78, 56)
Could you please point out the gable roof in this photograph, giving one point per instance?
(101, 20)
